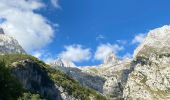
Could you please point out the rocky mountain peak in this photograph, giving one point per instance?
(156, 42)
(62, 63)
(150, 79)
(9, 45)
(110, 58)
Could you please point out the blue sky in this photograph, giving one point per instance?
(87, 24)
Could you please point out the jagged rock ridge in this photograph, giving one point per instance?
(150, 79)
(39, 78)
(108, 78)
(62, 63)
(146, 77)
(9, 45)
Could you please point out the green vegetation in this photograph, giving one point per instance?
(9, 86)
(29, 96)
(71, 86)
(10, 58)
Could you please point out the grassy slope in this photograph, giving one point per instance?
(71, 86)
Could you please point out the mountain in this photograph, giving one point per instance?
(62, 63)
(115, 75)
(107, 78)
(150, 79)
(36, 77)
(145, 77)
(24, 77)
(70, 69)
(156, 42)
(111, 59)
(9, 45)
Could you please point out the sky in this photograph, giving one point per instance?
(82, 31)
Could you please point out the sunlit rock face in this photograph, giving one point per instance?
(145, 77)
(111, 59)
(150, 79)
(75, 72)
(62, 63)
(108, 78)
(9, 45)
(115, 75)
(156, 42)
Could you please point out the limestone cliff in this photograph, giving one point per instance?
(108, 78)
(150, 79)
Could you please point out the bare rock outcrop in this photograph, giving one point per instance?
(150, 79)
(9, 45)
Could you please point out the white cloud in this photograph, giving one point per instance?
(139, 38)
(55, 3)
(37, 54)
(46, 56)
(31, 29)
(104, 49)
(75, 53)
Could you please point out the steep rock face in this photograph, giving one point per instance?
(111, 59)
(150, 79)
(108, 78)
(35, 79)
(156, 42)
(84, 78)
(9, 45)
(70, 69)
(115, 76)
(39, 78)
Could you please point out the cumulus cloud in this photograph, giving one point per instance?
(139, 38)
(44, 55)
(104, 49)
(31, 29)
(75, 53)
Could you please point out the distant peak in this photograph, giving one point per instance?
(110, 58)
(63, 63)
(1, 31)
